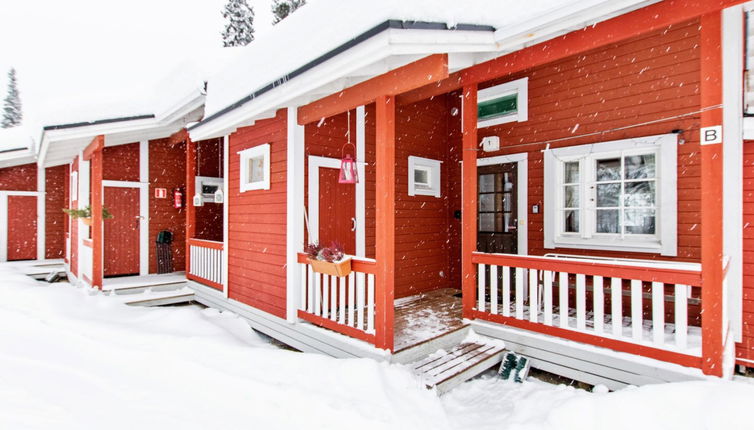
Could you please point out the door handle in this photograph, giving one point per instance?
(353, 224)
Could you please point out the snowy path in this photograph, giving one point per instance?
(71, 359)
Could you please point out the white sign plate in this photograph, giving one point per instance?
(711, 135)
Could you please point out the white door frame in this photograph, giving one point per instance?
(143, 222)
(521, 159)
(316, 163)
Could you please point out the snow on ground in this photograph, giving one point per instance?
(71, 358)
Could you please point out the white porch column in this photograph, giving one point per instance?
(295, 212)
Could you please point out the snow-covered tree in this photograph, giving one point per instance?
(239, 30)
(12, 104)
(283, 8)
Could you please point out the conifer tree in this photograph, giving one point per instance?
(283, 8)
(12, 104)
(239, 30)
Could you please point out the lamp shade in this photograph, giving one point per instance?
(348, 172)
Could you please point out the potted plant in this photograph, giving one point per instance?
(85, 215)
(330, 260)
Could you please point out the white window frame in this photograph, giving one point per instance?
(434, 172)
(663, 242)
(520, 87)
(74, 186)
(246, 155)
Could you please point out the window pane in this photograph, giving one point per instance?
(486, 183)
(500, 106)
(506, 200)
(571, 174)
(507, 184)
(487, 222)
(571, 224)
(487, 202)
(608, 169)
(499, 226)
(640, 166)
(421, 177)
(640, 221)
(608, 195)
(639, 194)
(256, 169)
(571, 196)
(607, 221)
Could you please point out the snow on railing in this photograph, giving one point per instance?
(625, 301)
(205, 260)
(345, 304)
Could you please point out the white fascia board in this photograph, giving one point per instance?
(16, 159)
(389, 43)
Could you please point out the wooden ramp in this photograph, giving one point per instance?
(445, 370)
(158, 298)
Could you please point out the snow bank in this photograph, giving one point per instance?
(72, 358)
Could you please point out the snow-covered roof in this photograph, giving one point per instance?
(16, 146)
(323, 30)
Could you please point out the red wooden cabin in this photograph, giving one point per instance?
(571, 184)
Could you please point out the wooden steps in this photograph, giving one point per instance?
(159, 298)
(444, 370)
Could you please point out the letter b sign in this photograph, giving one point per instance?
(711, 135)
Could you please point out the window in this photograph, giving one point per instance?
(74, 192)
(618, 195)
(503, 103)
(423, 177)
(255, 168)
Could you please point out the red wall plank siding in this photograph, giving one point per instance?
(167, 169)
(647, 78)
(56, 191)
(74, 226)
(19, 178)
(745, 349)
(257, 227)
(121, 163)
(22, 228)
(209, 218)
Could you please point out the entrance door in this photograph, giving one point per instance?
(121, 244)
(498, 209)
(332, 206)
(22, 228)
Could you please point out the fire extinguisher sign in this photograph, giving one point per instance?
(160, 193)
(712, 135)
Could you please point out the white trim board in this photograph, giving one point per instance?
(361, 247)
(294, 212)
(226, 149)
(41, 214)
(3, 226)
(522, 163)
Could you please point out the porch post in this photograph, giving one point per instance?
(469, 194)
(94, 154)
(385, 229)
(189, 198)
(713, 336)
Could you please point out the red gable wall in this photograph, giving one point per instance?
(19, 178)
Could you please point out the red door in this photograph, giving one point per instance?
(337, 209)
(22, 228)
(121, 244)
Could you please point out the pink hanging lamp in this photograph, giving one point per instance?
(348, 169)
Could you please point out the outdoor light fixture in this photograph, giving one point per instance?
(348, 171)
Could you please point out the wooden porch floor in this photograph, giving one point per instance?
(426, 316)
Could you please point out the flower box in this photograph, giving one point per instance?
(87, 221)
(340, 268)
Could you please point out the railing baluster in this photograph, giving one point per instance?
(658, 313)
(334, 297)
(636, 310)
(533, 296)
(360, 293)
(506, 291)
(493, 289)
(304, 268)
(581, 301)
(563, 295)
(317, 294)
(325, 295)
(351, 299)
(548, 296)
(342, 310)
(480, 290)
(598, 294)
(616, 302)
(681, 315)
(310, 290)
(520, 293)
(370, 303)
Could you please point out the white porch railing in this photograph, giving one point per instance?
(206, 262)
(627, 301)
(343, 304)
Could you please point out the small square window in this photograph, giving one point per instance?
(503, 103)
(255, 168)
(424, 177)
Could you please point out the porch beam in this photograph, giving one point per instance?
(385, 217)
(469, 195)
(189, 197)
(641, 21)
(713, 325)
(95, 156)
(428, 70)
